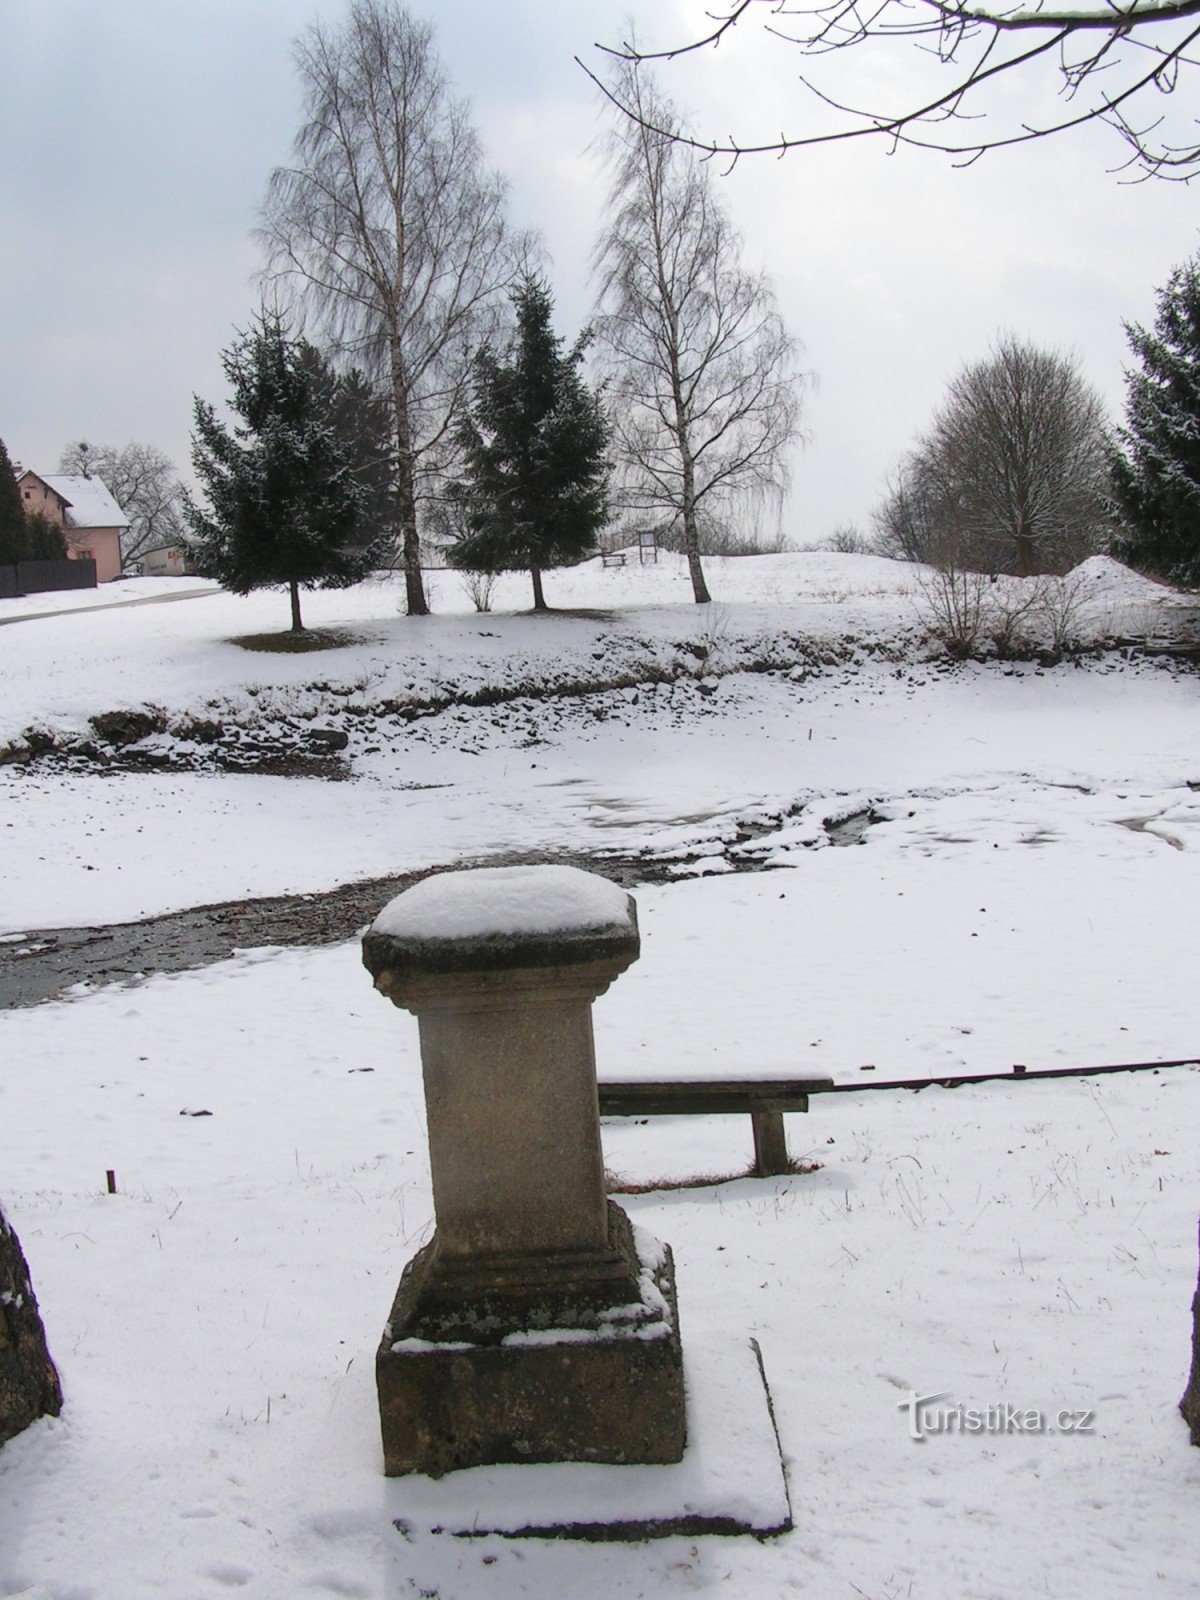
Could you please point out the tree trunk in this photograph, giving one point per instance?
(414, 587)
(297, 625)
(29, 1386)
(691, 543)
(1026, 555)
(1190, 1404)
(539, 599)
(406, 494)
(691, 533)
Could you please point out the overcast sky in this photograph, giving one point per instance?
(137, 136)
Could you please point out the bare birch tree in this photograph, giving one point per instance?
(704, 384)
(388, 226)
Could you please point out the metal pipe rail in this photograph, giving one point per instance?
(1018, 1073)
(766, 1099)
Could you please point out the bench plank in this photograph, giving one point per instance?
(633, 1097)
(766, 1099)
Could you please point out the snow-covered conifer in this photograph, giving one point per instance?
(535, 494)
(1156, 466)
(284, 503)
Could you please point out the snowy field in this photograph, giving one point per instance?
(678, 749)
(1025, 890)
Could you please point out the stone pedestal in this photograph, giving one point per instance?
(535, 1326)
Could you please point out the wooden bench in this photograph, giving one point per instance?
(613, 558)
(766, 1099)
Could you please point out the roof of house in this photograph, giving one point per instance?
(27, 472)
(90, 504)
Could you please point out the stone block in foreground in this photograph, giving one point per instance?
(571, 1378)
(1189, 1406)
(533, 1327)
(730, 1481)
(29, 1386)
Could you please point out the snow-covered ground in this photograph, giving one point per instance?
(1026, 890)
(678, 749)
(631, 623)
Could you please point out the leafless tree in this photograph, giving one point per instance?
(901, 520)
(1011, 477)
(703, 372)
(141, 479)
(848, 540)
(389, 228)
(1108, 61)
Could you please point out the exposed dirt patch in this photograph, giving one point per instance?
(302, 643)
(127, 727)
(42, 965)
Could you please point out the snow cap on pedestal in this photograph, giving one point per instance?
(503, 917)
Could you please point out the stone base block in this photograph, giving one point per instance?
(605, 1387)
(731, 1480)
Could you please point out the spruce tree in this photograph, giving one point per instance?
(44, 540)
(535, 492)
(362, 420)
(13, 533)
(283, 504)
(1156, 464)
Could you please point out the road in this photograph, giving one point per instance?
(112, 605)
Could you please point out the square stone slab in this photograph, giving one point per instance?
(731, 1479)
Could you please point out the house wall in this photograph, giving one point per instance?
(102, 545)
(37, 496)
(167, 562)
